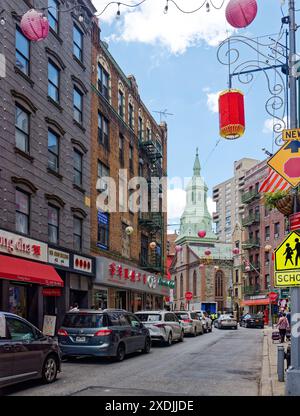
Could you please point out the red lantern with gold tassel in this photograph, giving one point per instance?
(232, 114)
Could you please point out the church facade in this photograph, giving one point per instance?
(201, 265)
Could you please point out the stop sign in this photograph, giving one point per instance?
(188, 296)
(292, 167)
(273, 296)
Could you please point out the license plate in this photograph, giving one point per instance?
(80, 339)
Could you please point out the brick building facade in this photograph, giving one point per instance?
(45, 158)
(124, 137)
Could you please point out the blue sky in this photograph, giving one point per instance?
(176, 67)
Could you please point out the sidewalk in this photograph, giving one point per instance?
(269, 384)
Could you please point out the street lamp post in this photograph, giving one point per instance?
(268, 249)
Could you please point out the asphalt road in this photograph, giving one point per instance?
(224, 362)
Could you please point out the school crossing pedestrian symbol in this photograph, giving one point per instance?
(287, 262)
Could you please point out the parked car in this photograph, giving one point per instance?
(164, 326)
(107, 333)
(190, 322)
(226, 321)
(252, 321)
(25, 352)
(206, 321)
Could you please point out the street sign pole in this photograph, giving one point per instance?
(293, 373)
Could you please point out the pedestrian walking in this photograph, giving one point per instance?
(283, 325)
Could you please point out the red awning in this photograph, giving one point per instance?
(254, 302)
(28, 271)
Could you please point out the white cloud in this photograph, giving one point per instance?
(176, 204)
(270, 123)
(213, 101)
(175, 30)
(211, 205)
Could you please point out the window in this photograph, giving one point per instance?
(103, 170)
(148, 134)
(219, 284)
(267, 233)
(20, 331)
(194, 284)
(236, 276)
(140, 128)
(53, 81)
(78, 104)
(130, 115)
(78, 43)
(53, 15)
(144, 249)
(267, 281)
(121, 103)
(267, 258)
(53, 151)
(131, 158)
(276, 229)
(22, 52)
(22, 212)
(181, 286)
(121, 149)
(77, 167)
(53, 224)
(77, 234)
(125, 242)
(103, 230)
(236, 292)
(103, 130)
(103, 81)
(22, 129)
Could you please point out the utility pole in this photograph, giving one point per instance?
(293, 373)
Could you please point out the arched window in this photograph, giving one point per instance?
(181, 286)
(219, 284)
(194, 283)
(175, 288)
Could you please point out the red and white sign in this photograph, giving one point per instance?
(20, 246)
(273, 296)
(82, 264)
(51, 292)
(295, 222)
(188, 296)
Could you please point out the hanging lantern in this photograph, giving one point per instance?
(178, 249)
(207, 252)
(129, 230)
(152, 245)
(216, 267)
(35, 25)
(236, 251)
(247, 268)
(232, 114)
(202, 233)
(240, 13)
(201, 266)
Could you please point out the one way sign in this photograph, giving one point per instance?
(286, 162)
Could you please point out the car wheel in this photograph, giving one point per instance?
(121, 352)
(181, 337)
(147, 346)
(169, 340)
(50, 369)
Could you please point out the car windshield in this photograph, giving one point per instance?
(226, 317)
(148, 317)
(182, 315)
(80, 320)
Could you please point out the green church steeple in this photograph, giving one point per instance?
(197, 167)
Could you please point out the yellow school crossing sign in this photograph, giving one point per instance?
(287, 262)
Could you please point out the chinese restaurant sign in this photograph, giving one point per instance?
(17, 245)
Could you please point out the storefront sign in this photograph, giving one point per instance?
(122, 275)
(51, 292)
(17, 245)
(49, 325)
(59, 258)
(83, 264)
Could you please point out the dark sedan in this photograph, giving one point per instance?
(108, 333)
(252, 321)
(25, 352)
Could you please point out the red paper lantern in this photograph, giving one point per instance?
(232, 114)
(240, 13)
(202, 233)
(34, 25)
(207, 252)
(236, 251)
(178, 249)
